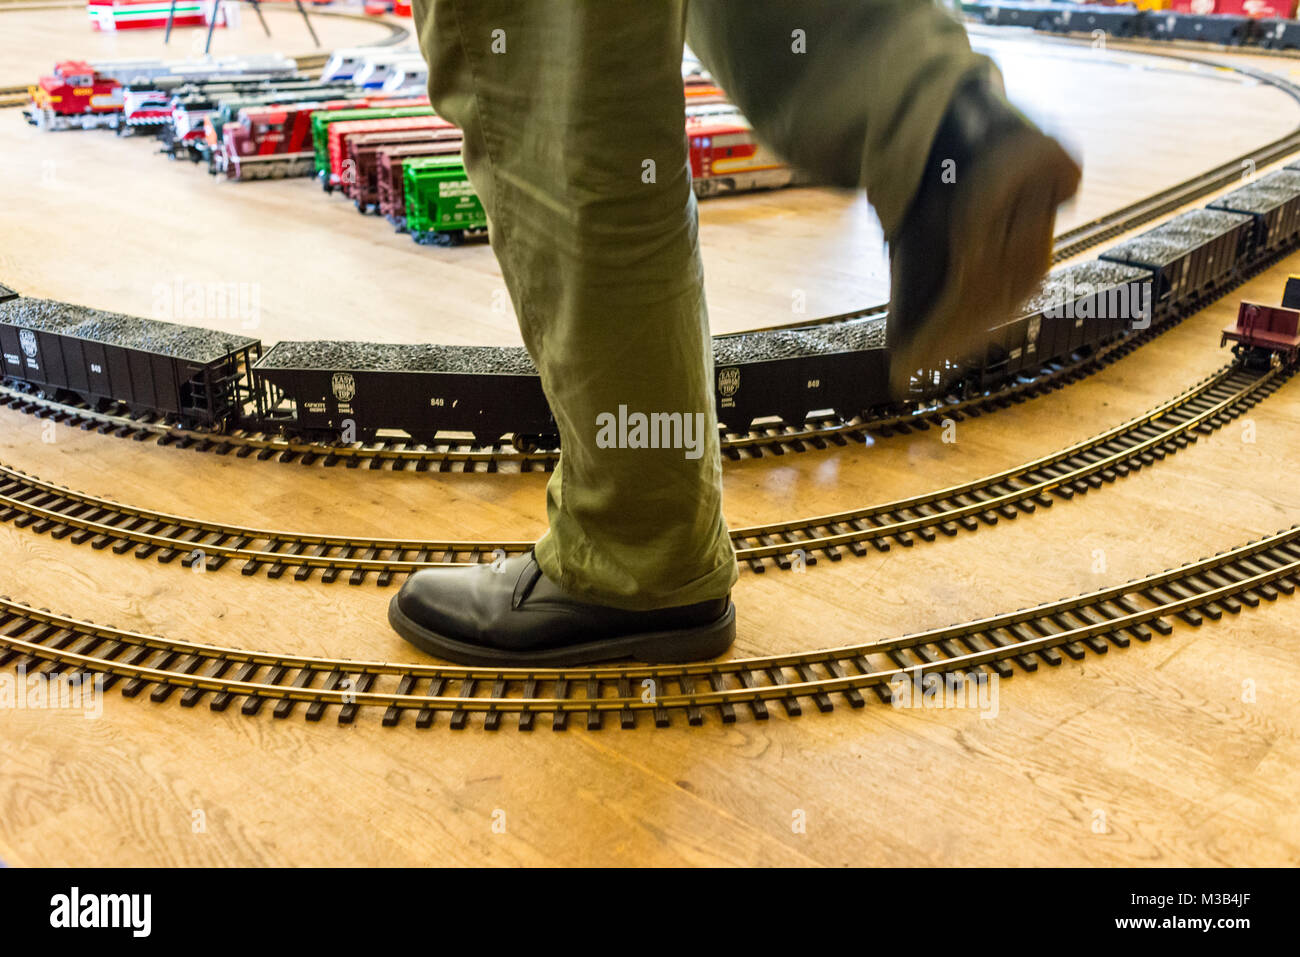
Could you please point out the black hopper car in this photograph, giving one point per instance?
(197, 376)
(1277, 33)
(361, 392)
(353, 390)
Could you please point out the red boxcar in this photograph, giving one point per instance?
(390, 181)
(361, 168)
(339, 133)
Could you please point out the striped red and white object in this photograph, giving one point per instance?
(108, 15)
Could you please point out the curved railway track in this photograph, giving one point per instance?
(777, 438)
(983, 650)
(316, 687)
(13, 96)
(209, 546)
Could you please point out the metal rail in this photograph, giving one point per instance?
(453, 455)
(1174, 424)
(982, 650)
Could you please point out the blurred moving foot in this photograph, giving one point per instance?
(513, 615)
(977, 237)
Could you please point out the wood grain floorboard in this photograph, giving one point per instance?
(1183, 751)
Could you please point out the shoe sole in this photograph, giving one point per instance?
(1006, 228)
(653, 647)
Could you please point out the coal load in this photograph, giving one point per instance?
(1153, 248)
(857, 335)
(1282, 179)
(1100, 274)
(1256, 198)
(191, 343)
(327, 356)
(41, 315)
(1065, 284)
(1205, 223)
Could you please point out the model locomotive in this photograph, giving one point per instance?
(350, 392)
(359, 129)
(87, 95)
(75, 95)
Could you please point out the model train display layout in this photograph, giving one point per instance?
(258, 118)
(262, 378)
(342, 393)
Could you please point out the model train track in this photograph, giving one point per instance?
(1078, 239)
(774, 437)
(985, 650)
(210, 546)
(1084, 236)
(15, 96)
(465, 455)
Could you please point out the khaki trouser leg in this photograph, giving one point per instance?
(575, 142)
(850, 90)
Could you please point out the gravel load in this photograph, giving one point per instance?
(45, 315)
(6, 293)
(1154, 248)
(855, 335)
(191, 343)
(1205, 222)
(327, 356)
(1282, 178)
(1099, 273)
(1256, 198)
(1070, 283)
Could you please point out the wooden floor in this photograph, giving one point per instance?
(38, 34)
(136, 223)
(1150, 755)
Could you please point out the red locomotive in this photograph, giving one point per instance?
(1262, 331)
(276, 140)
(726, 157)
(76, 96)
(271, 141)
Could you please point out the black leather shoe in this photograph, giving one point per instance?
(977, 236)
(513, 615)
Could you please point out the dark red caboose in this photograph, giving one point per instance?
(1261, 331)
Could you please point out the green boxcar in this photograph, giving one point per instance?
(441, 205)
(321, 119)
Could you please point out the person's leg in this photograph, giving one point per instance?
(574, 141)
(887, 95)
(852, 91)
